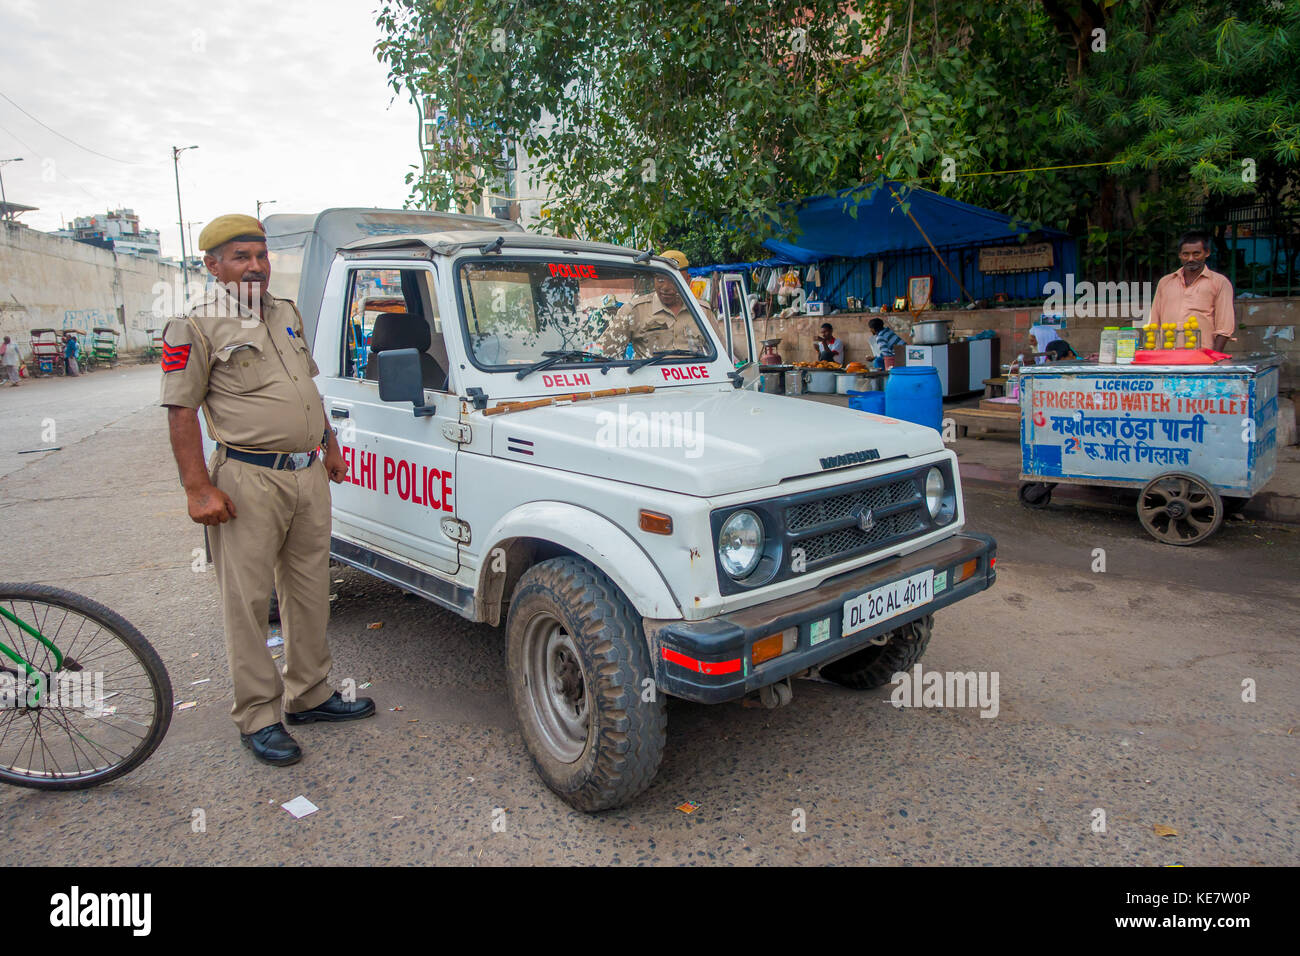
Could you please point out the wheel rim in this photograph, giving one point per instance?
(557, 688)
(74, 735)
(1179, 510)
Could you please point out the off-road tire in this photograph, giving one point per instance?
(625, 734)
(876, 665)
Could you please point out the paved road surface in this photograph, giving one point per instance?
(1119, 691)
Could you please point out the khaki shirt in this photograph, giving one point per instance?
(1209, 298)
(252, 376)
(650, 326)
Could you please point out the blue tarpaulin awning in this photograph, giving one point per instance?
(741, 266)
(868, 221)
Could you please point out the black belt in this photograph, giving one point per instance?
(282, 461)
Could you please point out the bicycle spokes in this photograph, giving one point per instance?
(79, 699)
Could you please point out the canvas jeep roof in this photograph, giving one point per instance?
(302, 247)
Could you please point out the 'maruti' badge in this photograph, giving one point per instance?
(866, 520)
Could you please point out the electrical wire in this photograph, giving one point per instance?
(124, 162)
(39, 155)
(1028, 169)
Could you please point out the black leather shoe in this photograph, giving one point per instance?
(336, 708)
(273, 745)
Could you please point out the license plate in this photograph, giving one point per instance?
(885, 602)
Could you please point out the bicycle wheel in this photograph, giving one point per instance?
(86, 713)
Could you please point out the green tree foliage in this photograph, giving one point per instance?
(699, 121)
(1194, 101)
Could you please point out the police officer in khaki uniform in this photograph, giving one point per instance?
(241, 357)
(657, 321)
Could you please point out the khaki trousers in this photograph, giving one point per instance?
(282, 528)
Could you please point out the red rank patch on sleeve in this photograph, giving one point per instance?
(175, 357)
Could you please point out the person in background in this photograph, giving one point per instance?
(1059, 350)
(829, 348)
(70, 354)
(1197, 290)
(885, 341)
(683, 266)
(657, 320)
(9, 361)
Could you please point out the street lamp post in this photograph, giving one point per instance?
(260, 204)
(4, 202)
(176, 165)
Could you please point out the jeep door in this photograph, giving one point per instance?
(401, 485)
(737, 325)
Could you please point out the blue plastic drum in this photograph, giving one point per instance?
(867, 401)
(913, 394)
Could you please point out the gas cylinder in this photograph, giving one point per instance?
(770, 355)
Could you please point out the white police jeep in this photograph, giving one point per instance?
(519, 451)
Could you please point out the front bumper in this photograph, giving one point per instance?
(710, 661)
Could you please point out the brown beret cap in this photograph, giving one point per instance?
(229, 228)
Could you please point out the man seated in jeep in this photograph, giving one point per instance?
(653, 322)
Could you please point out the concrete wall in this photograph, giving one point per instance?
(1254, 317)
(51, 282)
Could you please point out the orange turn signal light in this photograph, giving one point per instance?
(967, 569)
(774, 645)
(656, 523)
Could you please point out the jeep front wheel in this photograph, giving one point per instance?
(876, 665)
(576, 660)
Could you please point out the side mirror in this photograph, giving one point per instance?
(401, 380)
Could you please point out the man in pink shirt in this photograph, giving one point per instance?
(1196, 290)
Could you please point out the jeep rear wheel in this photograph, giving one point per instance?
(876, 665)
(575, 659)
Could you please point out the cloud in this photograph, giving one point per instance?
(285, 101)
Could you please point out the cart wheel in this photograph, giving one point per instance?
(1181, 509)
(1036, 494)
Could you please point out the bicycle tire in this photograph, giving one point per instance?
(125, 634)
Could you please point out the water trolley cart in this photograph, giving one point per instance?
(1188, 437)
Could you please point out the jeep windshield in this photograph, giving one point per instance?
(525, 312)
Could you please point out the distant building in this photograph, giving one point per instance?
(118, 230)
(510, 191)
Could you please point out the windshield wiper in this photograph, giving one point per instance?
(555, 357)
(661, 356)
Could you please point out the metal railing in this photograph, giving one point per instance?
(1259, 252)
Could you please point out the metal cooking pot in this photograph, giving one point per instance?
(931, 332)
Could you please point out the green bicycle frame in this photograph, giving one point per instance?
(14, 656)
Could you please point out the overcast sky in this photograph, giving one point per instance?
(285, 100)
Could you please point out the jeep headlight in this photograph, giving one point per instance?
(740, 544)
(935, 493)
